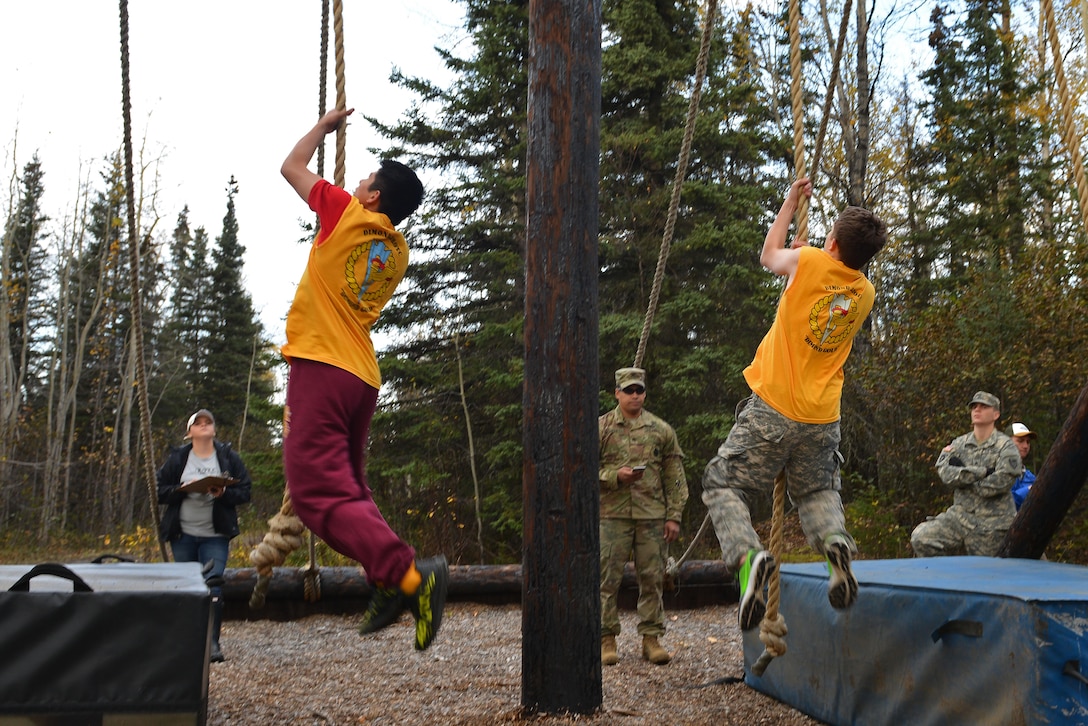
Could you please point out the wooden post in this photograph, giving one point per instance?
(561, 621)
(1059, 481)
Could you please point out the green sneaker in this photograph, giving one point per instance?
(385, 608)
(842, 586)
(754, 574)
(428, 602)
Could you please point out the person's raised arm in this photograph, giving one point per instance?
(776, 257)
(295, 167)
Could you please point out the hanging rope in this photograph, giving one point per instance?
(284, 536)
(1069, 133)
(678, 180)
(797, 105)
(772, 629)
(134, 284)
(673, 565)
(285, 529)
(341, 95)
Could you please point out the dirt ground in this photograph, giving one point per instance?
(319, 670)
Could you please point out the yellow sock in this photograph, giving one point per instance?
(412, 580)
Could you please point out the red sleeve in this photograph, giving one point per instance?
(329, 201)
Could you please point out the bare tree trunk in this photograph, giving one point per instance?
(471, 447)
(9, 406)
(858, 155)
(57, 482)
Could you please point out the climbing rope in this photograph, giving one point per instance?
(678, 180)
(284, 536)
(341, 95)
(1069, 134)
(134, 284)
(285, 529)
(672, 566)
(772, 629)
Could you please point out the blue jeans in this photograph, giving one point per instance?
(203, 550)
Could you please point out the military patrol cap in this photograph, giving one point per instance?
(630, 377)
(987, 399)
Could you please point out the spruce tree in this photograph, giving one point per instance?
(25, 281)
(233, 366)
(460, 308)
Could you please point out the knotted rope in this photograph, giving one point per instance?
(772, 630)
(134, 285)
(1069, 133)
(284, 536)
(678, 179)
(285, 528)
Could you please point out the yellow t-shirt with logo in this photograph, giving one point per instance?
(356, 261)
(797, 368)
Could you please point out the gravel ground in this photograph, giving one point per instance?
(319, 670)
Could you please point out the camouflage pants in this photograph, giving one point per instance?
(762, 443)
(957, 532)
(646, 539)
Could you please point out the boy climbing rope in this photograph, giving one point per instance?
(355, 263)
(791, 420)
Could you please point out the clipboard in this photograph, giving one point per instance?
(201, 486)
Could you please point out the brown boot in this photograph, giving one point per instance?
(608, 650)
(653, 652)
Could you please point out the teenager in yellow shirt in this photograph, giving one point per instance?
(791, 420)
(356, 260)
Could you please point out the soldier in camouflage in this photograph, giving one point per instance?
(643, 492)
(981, 468)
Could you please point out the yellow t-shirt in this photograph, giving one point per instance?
(356, 261)
(797, 368)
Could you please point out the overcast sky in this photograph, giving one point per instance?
(219, 88)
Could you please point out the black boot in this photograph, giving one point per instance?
(216, 655)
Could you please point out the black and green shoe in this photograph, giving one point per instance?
(429, 601)
(385, 608)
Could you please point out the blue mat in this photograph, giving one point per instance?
(943, 640)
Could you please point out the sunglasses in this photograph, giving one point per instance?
(634, 390)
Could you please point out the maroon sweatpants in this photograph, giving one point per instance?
(326, 424)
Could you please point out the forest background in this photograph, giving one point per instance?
(981, 285)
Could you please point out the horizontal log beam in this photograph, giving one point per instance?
(345, 589)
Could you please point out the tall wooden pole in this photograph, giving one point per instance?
(561, 620)
(1056, 487)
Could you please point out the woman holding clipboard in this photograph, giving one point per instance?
(201, 484)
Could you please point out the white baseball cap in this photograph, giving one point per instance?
(1019, 429)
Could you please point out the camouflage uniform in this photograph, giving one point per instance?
(982, 506)
(762, 443)
(633, 517)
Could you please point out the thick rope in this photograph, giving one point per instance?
(678, 180)
(772, 630)
(1069, 134)
(285, 528)
(284, 536)
(341, 95)
(134, 284)
(797, 103)
(323, 76)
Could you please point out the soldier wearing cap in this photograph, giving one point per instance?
(643, 492)
(1022, 436)
(980, 467)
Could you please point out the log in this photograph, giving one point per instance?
(1056, 486)
(344, 590)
